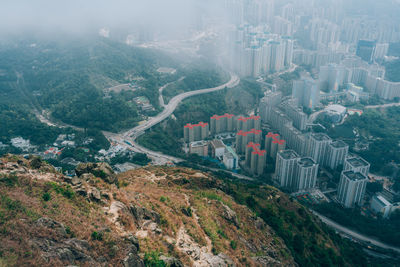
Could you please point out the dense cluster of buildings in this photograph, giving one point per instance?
(254, 51)
(297, 167)
(246, 144)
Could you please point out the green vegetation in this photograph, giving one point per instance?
(166, 137)
(393, 71)
(17, 120)
(64, 190)
(138, 158)
(379, 128)
(311, 243)
(199, 75)
(68, 79)
(46, 196)
(9, 180)
(97, 236)
(393, 67)
(383, 229)
(233, 244)
(152, 259)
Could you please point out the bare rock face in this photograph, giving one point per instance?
(259, 223)
(140, 214)
(171, 262)
(49, 223)
(101, 170)
(133, 260)
(68, 251)
(230, 215)
(95, 194)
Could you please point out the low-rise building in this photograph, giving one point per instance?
(217, 148)
(231, 159)
(199, 147)
(381, 205)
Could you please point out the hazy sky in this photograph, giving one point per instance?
(81, 15)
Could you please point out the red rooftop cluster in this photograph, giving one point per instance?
(254, 131)
(275, 138)
(191, 126)
(256, 118)
(256, 149)
(226, 115)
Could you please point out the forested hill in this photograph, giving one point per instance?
(69, 78)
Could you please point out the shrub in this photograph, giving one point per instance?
(97, 236)
(233, 244)
(9, 180)
(152, 259)
(46, 196)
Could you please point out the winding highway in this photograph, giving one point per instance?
(354, 234)
(129, 137)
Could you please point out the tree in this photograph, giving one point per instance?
(374, 187)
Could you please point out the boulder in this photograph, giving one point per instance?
(95, 194)
(133, 240)
(230, 215)
(52, 224)
(140, 214)
(259, 223)
(133, 260)
(101, 170)
(171, 262)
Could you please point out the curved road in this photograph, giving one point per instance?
(383, 106)
(129, 137)
(354, 234)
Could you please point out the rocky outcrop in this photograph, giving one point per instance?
(230, 215)
(66, 250)
(102, 170)
(51, 224)
(171, 262)
(141, 214)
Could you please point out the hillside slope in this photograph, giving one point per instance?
(154, 216)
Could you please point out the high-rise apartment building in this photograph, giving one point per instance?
(305, 175)
(318, 144)
(306, 93)
(337, 153)
(332, 77)
(222, 124)
(356, 164)
(196, 132)
(285, 170)
(351, 189)
(299, 118)
(366, 50)
(248, 123)
(244, 138)
(255, 158)
(274, 144)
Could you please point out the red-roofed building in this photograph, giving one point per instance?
(223, 123)
(256, 159)
(244, 138)
(247, 123)
(273, 144)
(196, 132)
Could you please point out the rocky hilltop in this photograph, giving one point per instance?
(153, 216)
